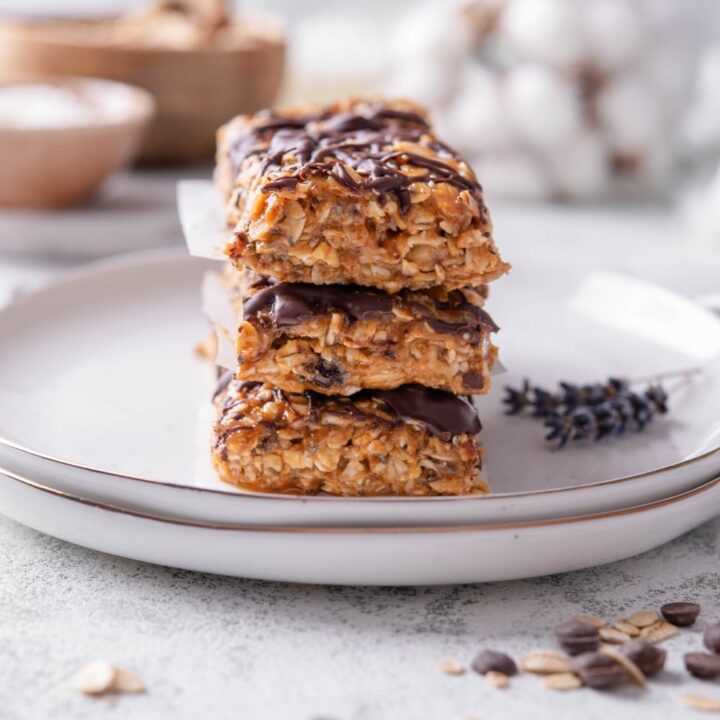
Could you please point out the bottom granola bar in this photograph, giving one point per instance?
(408, 441)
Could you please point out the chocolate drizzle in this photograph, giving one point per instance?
(293, 303)
(290, 304)
(442, 413)
(327, 144)
(224, 378)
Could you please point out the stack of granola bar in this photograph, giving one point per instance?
(358, 267)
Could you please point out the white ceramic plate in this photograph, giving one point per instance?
(100, 373)
(361, 556)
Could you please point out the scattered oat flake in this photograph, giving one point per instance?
(451, 667)
(594, 620)
(626, 627)
(545, 662)
(126, 681)
(497, 679)
(611, 635)
(101, 678)
(633, 671)
(563, 681)
(644, 618)
(95, 679)
(701, 702)
(659, 631)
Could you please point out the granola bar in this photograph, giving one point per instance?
(407, 441)
(358, 192)
(338, 339)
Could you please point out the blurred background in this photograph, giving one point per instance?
(558, 104)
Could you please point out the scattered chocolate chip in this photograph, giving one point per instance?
(648, 657)
(494, 661)
(681, 614)
(598, 671)
(711, 638)
(577, 637)
(702, 665)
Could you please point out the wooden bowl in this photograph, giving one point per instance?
(49, 167)
(196, 89)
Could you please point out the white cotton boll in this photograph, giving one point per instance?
(512, 175)
(655, 163)
(433, 32)
(708, 76)
(631, 114)
(475, 119)
(549, 31)
(702, 125)
(542, 107)
(700, 209)
(668, 70)
(580, 168)
(616, 32)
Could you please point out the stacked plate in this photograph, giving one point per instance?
(103, 430)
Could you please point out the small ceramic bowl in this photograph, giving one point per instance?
(196, 87)
(89, 128)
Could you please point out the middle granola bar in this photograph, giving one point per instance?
(337, 339)
(357, 192)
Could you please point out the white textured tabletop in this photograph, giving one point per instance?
(214, 647)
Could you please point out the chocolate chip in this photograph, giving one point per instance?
(494, 661)
(681, 614)
(327, 374)
(577, 637)
(598, 671)
(473, 380)
(711, 638)
(702, 665)
(648, 657)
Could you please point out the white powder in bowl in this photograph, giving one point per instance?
(41, 105)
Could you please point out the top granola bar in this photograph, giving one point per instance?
(358, 192)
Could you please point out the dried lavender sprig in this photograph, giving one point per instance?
(541, 403)
(610, 418)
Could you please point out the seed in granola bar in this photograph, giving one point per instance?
(494, 661)
(577, 637)
(681, 614)
(711, 638)
(598, 671)
(648, 657)
(702, 665)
